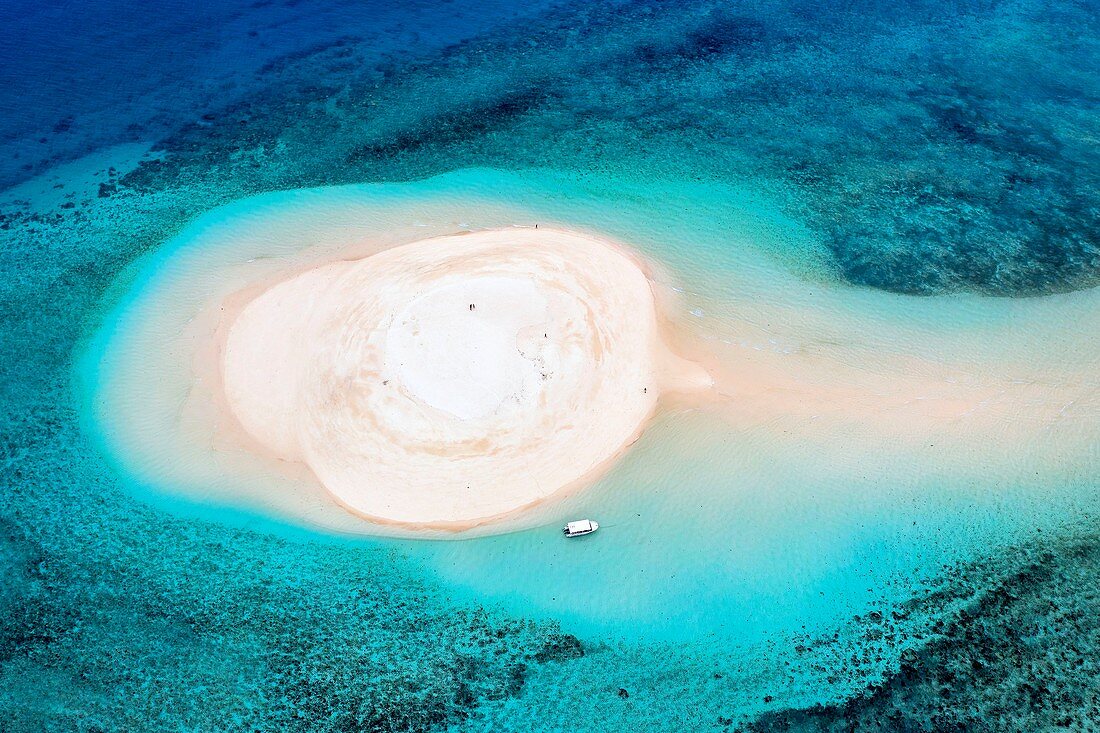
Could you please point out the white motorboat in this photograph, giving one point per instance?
(580, 527)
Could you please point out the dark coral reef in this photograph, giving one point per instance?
(1017, 651)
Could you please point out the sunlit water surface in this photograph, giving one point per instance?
(710, 529)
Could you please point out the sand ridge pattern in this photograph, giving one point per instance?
(455, 379)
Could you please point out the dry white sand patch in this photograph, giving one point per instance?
(457, 379)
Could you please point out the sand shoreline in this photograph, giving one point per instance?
(608, 334)
(966, 387)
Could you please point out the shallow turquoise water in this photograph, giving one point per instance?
(742, 535)
(813, 162)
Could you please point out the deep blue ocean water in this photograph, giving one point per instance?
(923, 149)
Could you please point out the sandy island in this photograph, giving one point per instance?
(453, 380)
(313, 357)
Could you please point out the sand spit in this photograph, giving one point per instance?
(264, 359)
(457, 379)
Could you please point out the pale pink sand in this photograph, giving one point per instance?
(412, 407)
(980, 391)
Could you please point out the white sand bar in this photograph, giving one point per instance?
(457, 379)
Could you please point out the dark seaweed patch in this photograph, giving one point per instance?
(723, 34)
(558, 648)
(718, 35)
(454, 126)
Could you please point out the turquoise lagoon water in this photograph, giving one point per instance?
(714, 537)
(877, 182)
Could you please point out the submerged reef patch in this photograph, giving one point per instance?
(929, 147)
(1015, 648)
(932, 152)
(115, 618)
